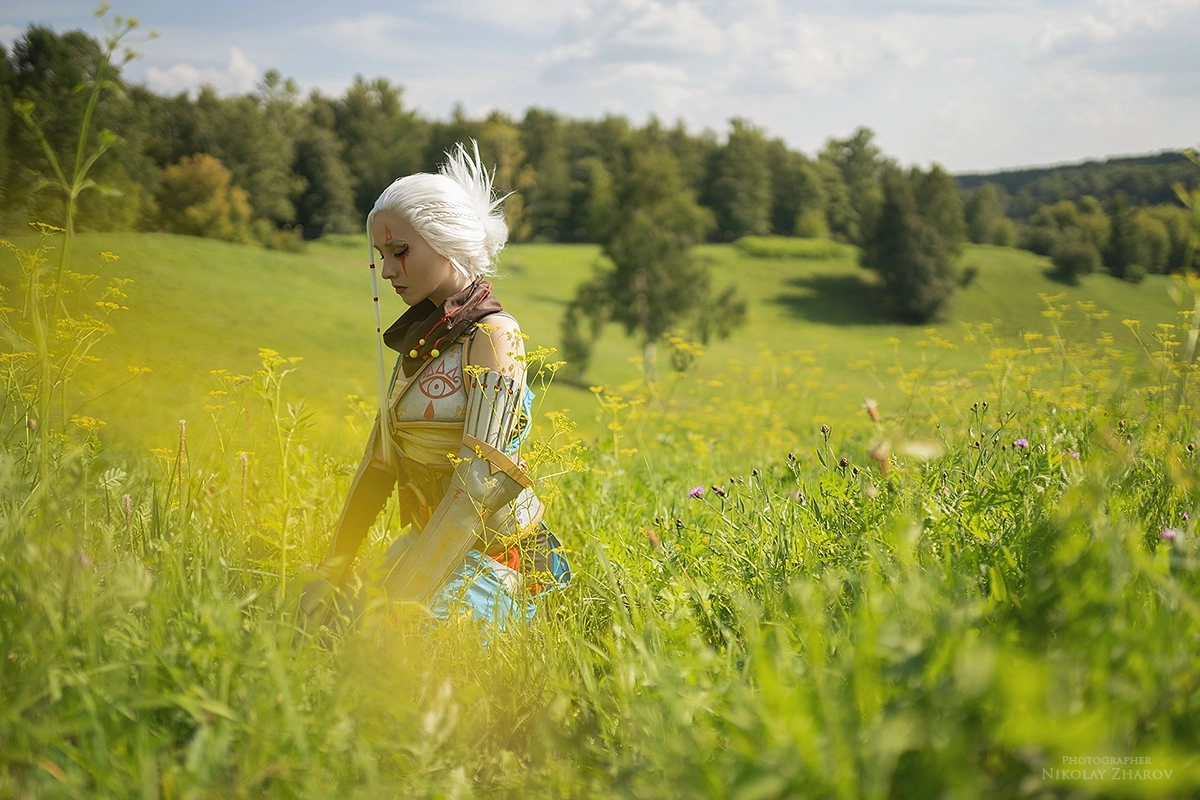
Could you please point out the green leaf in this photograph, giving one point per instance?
(24, 109)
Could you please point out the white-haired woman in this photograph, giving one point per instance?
(452, 416)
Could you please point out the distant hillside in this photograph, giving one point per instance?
(1146, 180)
(197, 305)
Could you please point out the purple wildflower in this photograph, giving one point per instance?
(1186, 516)
(1170, 534)
(696, 493)
(1022, 442)
(1073, 454)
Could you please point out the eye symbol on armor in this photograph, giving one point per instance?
(439, 381)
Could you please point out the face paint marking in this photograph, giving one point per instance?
(387, 233)
(404, 262)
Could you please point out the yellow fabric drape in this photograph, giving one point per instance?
(429, 443)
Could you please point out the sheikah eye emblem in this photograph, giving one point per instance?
(440, 380)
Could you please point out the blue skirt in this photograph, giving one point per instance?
(499, 590)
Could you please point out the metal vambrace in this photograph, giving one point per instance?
(485, 479)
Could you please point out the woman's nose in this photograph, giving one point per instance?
(387, 270)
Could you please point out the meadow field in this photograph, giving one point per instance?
(828, 557)
(198, 305)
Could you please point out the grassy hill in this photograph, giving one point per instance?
(198, 305)
(759, 607)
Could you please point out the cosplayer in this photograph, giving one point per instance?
(452, 417)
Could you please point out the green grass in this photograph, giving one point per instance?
(199, 305)
(791, 247)
(949, 601)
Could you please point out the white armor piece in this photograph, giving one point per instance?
(438, 393)
(484, 480)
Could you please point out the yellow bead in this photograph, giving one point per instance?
(434, 352)
(412, 353)
(421, 342)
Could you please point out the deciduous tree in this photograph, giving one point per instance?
(381, 139)
(326, 204)
(861, 164)
(798, 202)
(1128, 254)
(650, 282)
(741, 189)
(984, 212)
(913, 244)
(198, 198)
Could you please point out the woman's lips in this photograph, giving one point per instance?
(400, 289)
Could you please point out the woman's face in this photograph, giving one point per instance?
(415, 270)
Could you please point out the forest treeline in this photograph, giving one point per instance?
(271, 157)
(241, 167)
(274, 166)
(1144, 180)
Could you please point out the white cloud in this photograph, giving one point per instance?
(518, 16)
(382, 34)
(9, 33)
(1112, 19)
(581, 50)
(681, 27)
(239, 75)
(819, 55)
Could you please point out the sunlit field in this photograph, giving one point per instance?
(197, 305)
(829, 557)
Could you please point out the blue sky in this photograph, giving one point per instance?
(971, 85)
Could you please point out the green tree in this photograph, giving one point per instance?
(326, 204)
(47, 72)
(68, 91)
(740, 194)
(650, 281)
(381, 139)
(543, 136)
(1157, 241)
(940, 205)
(912, 254)
(1004, 234)
(798, 202)
(253, 135)
(593, 199)
(442, 136)
(1094, 223)
(1178, 223)
(197, 197)
(1074, 257)
(500, 144)
(1128, 255)
(7, 85)
(597, 154)
(695, 155)
(984, 212)
(1065, 221)
(1190, 197)
(861, 166)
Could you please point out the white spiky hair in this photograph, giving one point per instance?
(454, 210)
